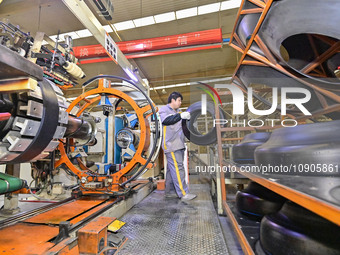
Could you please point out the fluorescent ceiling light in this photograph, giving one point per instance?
(145, 21)
(182, 84)
(108, 28)
(124, 25)
(170, 86)
(84, 33)
(165, 17)
(208, 8)
(186, 13)
(231, 4)
(190, 83)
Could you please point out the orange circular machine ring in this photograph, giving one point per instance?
(138, 158)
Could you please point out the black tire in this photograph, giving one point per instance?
(243, 153)
(295, 230)
(315, 145)
(191, 132)
(256, 201)
(312, 17)
(279, 31)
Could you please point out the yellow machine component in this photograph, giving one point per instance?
(116, 225)
(20, 85)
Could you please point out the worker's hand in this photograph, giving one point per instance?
(185, 115)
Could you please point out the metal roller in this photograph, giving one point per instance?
(10, 183)
(37, 122)
(74, 70)
(84, 129)
(38, 119)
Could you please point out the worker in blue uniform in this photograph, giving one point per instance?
(174, 147)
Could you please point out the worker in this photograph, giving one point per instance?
(174, 147)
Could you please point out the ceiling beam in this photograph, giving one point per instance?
(227, 71)
(89, 20)
(8, 8)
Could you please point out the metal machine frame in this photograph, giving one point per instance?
(286, 186)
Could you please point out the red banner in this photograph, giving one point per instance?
(151, 44)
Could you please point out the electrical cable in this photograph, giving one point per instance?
(37, 197)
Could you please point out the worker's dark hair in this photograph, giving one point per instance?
(174, 95)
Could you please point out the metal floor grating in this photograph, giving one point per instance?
(160, 225)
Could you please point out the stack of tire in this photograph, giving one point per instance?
(312, 145)
(287, 228)
(243, 153)
(255, 201)
(295, 33)
(294, 229)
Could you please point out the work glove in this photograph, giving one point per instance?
(185, 115)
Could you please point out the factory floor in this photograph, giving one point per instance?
(160, 225)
